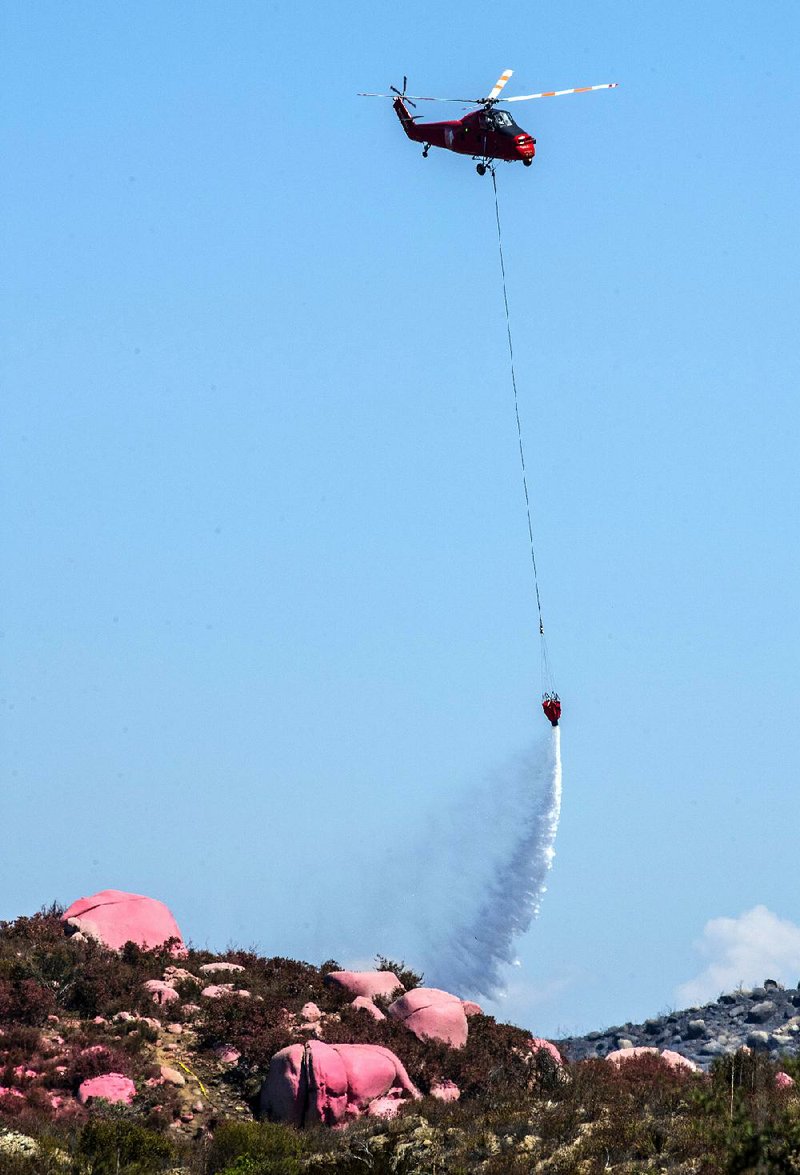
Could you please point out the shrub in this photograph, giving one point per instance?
(255, 1147)
(25, 1001)
(407, 977)
(114, 1143)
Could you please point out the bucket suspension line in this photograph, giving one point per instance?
(546, 679)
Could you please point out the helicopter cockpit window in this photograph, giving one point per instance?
(502, 119)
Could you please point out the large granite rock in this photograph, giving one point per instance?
(365, 983)
(333, 1084)
(432, 1014)
(114, 918)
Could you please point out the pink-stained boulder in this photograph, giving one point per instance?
(783, 1080)
(384, 1107)
(162, 993)
(216, 991)
(211, 968)
(332, 1084)
(310, 1012)
(471, 1008)
(114, 918)
(227, 1054)
(537, 1043)
(112, 1087)
(365, 983)
(366, 1005)
(673, 1059)
(432, 1014)
(445, 1091)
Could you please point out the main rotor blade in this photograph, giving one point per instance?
(558, 93)
(421, 98)
(501, 81)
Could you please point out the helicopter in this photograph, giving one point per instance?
(486, 134)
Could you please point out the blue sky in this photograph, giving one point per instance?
(265, 578)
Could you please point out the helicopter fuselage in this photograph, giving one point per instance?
(483, 134)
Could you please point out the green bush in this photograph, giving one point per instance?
(118, 1146)
(253, 1148)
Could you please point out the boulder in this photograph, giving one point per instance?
(112, 1087)
(332, 1084)
(384, 1107)
(471, 1008)
(162, 993)
(783, 1080)
(114, 918)
(366, 1005)
(227, 1054)
(366, 983)
(761, 1012)
(674, 1060)
(211, 968)
(432, 1014)
(445, 1091)
(537, 1043)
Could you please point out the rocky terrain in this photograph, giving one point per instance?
(765, 1018)
(122, 1050)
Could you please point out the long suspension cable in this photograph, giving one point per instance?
(519, 426)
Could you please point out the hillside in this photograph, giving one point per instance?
(190, 1068)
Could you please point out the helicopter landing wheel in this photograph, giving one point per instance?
(425, 152)
(481, 169)
(527, 162)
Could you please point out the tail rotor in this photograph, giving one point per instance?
(401, 94)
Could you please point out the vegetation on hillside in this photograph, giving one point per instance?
(58, 1000)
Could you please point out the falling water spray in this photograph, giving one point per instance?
(471, 956)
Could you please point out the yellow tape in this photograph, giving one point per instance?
(203, 1089)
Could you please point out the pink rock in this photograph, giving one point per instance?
(99, 1020)
(537, 1042)
(384, 1107)
(113, 1087)
(56, 1101)
(7, 1091)
(215, 991)
(175, 1029)
(318, 1082)
(783, 1080)
(172, 1076)
(471, 1008)
(161, 992)
(676, 1061)
(114, 918)
(366, 1005)
(310, 1011)
(173, 975)
(365, 983)
(432, 1014)
(192, 1009)
(124, 1017)
(53, 1019)
(445, 1091)
(227, 1054)
(211, 968)
(673, 1059)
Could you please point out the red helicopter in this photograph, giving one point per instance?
(486, 134)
